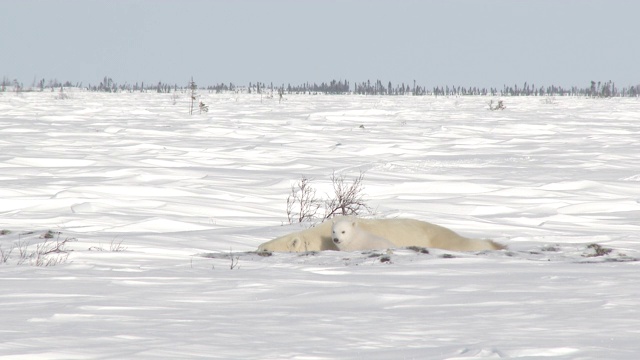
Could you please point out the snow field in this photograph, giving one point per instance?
(185, 195)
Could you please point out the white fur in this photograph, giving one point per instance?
(400, 232)
(348, 236)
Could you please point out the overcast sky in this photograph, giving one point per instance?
(435, 42)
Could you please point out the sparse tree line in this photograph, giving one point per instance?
(595, 89)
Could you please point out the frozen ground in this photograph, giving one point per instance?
(157, 205)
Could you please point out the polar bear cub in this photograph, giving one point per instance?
(347, 236)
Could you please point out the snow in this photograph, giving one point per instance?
(162, 211)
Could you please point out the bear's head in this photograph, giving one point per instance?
(342, 232)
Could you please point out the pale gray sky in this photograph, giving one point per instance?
(435, 42)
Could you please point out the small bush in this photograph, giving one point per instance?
(598, 250)
(500, 105)
(302, 204)
(114, 246)
(203, 107)
(234, 260)
(5, 254)
(347, 199)
(49, 252)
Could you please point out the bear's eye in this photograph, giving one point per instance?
(343, 231)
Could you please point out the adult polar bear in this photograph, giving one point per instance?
(400, 232)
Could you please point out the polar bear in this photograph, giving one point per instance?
(400, 232)
(348, 236)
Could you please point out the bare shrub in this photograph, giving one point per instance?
(48, 253)
(348, 198)
(234, 260)
(22, 250)
(51, 253)
(597, 250)
(500, 105)
(5, 254)
(302, 204)
(114, 246)
(203, 107)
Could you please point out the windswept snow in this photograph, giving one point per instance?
(161, 211)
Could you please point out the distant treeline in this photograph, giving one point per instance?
(593, 89)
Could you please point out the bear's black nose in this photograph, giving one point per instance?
(336, 241)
